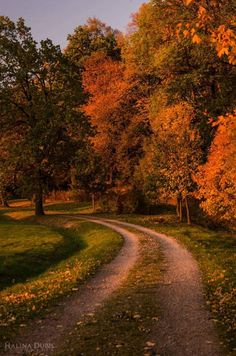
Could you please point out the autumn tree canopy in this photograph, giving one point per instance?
(217, 178)
(151, 111)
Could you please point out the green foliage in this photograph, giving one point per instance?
(181, 70)
(94, 36)
(39, 98)
(189, 72)
(91, 172)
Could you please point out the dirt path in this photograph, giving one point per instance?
(45, 336)
(185, 327)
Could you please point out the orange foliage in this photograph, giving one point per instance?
(217, 178)
(214, 22)
(103, 79)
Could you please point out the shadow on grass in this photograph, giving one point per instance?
(62, 206)
(18, 267)
(68, 206)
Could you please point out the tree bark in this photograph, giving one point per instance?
(187, 211)
(93, 202)
(180, 210)
(39, 211)
(177, 207)
(74, 182)
(4, 200)
(33, 200)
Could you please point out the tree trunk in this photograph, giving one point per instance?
(4, 199)
(177, 207)
(74, 182)
(39, 211)
(73, 178)
(33, 200)
(93, 202)
(180, 210)
(187, 211)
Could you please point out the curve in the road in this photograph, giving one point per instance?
(185, 327)
(51, 330)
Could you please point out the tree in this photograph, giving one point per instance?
(40, 102)
(94, 36)
(177, 154)
(173, 46)
(91, 173)
(184, 70)
(7, 166)
(114, 108)
(88, 39)
(217, 177)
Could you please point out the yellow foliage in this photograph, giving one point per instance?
(188, 2)
(223, 36)
(196, 39)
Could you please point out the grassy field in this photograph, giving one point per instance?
(44, 259)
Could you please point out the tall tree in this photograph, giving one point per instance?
(186, 71)
(40, 101)
(170, 46)
(94, 36)
(7, 168)
(114, 108)
(217, 177)
(176, 155)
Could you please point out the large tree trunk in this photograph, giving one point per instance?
(177, 206)
(39, 211)
(180, 210)
(4, 199)
(33, 200)
(74, 182)
(73, 178)
(93, 202)
(187, 211)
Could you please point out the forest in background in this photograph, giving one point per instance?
(132, 120)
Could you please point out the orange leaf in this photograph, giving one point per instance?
(196, 39)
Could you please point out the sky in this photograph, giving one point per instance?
(55, 19)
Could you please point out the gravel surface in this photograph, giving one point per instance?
(185, 327)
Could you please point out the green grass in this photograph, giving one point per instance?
(70, 207)
(125, 324)
(27, 250)
(41, 263)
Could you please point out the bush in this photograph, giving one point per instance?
(119, 201)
